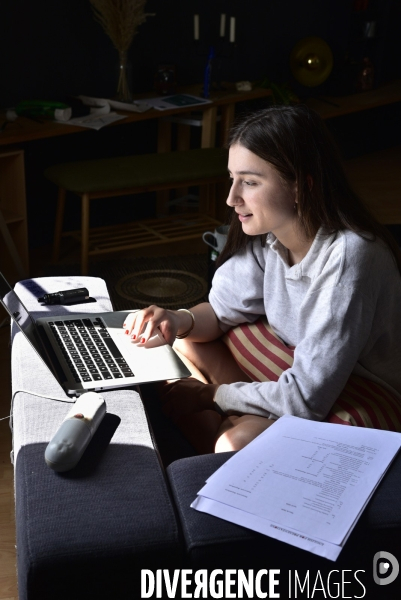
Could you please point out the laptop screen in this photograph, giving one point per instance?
(14, 306)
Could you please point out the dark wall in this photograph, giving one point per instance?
(51, 48)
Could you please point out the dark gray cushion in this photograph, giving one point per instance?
(87, 533)
(215, 543)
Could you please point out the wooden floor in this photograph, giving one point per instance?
(8, 579)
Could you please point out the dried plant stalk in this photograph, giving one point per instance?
(120, 19)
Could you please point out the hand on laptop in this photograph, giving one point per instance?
(143, 324)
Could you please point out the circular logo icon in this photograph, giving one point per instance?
(385, 568)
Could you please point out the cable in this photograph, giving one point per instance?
(10, 416)
(38, 396)
(68, 401)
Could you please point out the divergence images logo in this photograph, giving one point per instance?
(385, 568)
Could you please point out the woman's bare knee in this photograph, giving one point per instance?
(237, 432)
(213, 360)
(200, 429)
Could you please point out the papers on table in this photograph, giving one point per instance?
(104, 106)
(101, 113)
(302, 482)
(176, 101)
(94, 121)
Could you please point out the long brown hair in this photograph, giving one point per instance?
(295, 140)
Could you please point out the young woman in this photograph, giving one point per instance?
(305, 255)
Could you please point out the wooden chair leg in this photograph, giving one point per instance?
(183, 143)
(212, 200)
(58, 228)
(210, 195)
(162, 198)
(84, 234)
(208, 139)
(227, 119)
(163, 145)
(164, 136)
(11, 247)
(204, 198)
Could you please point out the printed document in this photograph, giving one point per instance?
(101, 113)
(302, 482)
(95, 121)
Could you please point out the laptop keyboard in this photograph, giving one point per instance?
(89, 350)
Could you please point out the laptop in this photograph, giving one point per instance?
(89, 351)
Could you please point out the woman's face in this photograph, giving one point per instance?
(262, 201)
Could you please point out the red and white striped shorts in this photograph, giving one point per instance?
(263, 357)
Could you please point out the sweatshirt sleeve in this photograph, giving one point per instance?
(237, 289)
(335, 324)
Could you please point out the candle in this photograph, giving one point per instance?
(232, 29)
(222, 25)
(196, 27)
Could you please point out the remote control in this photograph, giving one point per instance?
(75, 432)
(66, 297)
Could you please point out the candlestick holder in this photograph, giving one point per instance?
(216, 48)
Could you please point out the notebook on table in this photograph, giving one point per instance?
(90, 351)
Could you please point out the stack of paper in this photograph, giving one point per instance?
(94, 121)
(302, 482)
(104, 106)
(101, 113)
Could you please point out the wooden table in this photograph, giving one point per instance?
(329, 107)
(13, 230)
(25, 130)
(376, 177)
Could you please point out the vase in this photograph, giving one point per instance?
(124, 93)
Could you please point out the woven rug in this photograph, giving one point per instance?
(171, 281)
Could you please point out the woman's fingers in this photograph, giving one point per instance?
(129, 321)
(141, 325)
(134, 323)
(144, 324)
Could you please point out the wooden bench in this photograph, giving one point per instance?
(126, 175)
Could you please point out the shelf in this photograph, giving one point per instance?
(329, 107)
(149, 232)
(14, 253)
